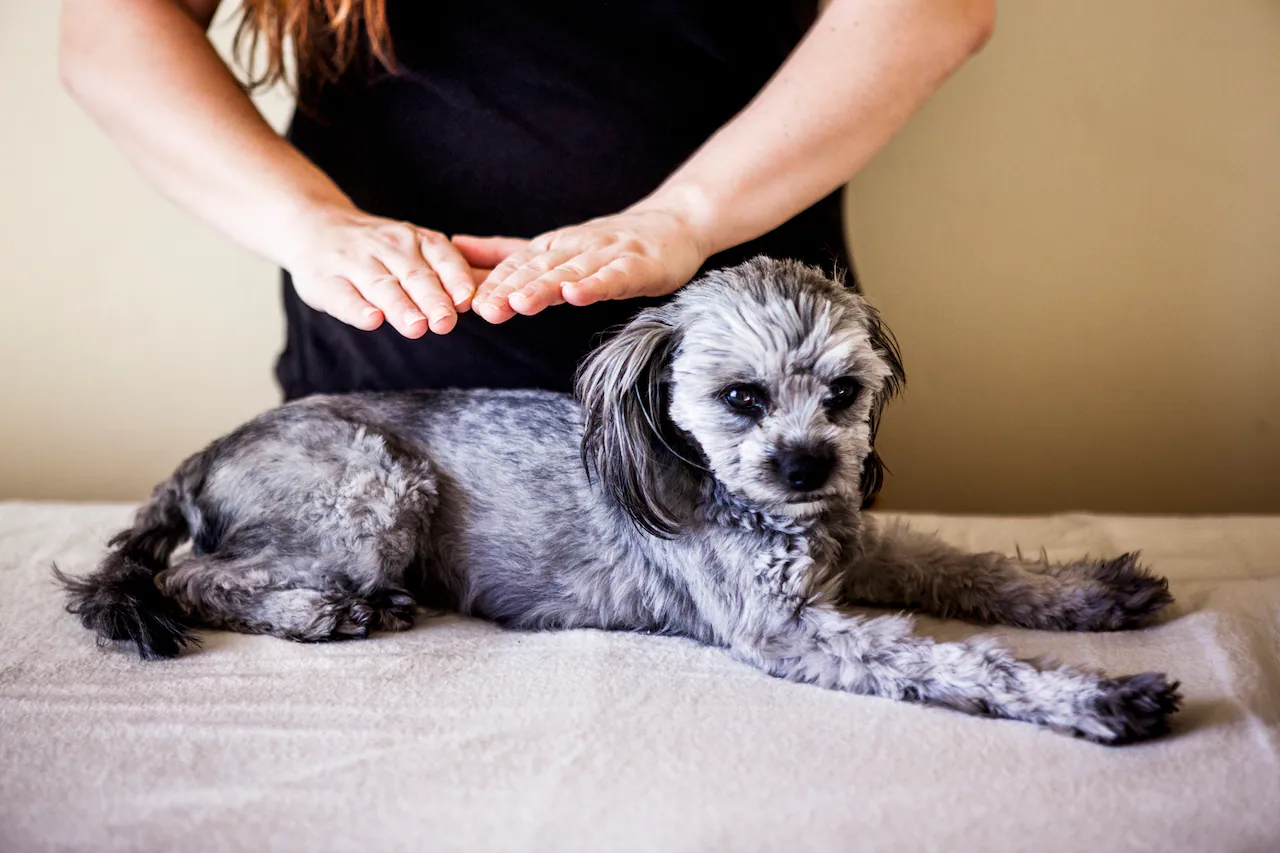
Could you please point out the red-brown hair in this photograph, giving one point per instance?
(326, 35)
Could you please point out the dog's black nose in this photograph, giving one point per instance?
(806, 470)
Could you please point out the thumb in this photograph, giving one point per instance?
(487, 252)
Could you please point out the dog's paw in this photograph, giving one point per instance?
(346, 616)
(350, 617)
(1117, 594)
(1129, 709)
(393, 610)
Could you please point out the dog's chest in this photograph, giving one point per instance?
(793, 561)
(797, 567)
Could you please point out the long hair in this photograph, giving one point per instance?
(327, 36)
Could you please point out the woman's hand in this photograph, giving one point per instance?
(364, 269)
(147, 73)
(648, 252)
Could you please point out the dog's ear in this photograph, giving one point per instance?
(628, 440)
(886, 346)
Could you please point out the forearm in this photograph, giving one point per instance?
(147, 74)
(864, 68)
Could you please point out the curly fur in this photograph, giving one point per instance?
(653, 504)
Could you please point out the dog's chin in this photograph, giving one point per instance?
(806, 506)
(835, 499)
(788, 504)
(801, 507)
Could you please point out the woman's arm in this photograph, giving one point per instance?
(855, 79)
(146, 72)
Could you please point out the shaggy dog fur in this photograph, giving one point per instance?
(708, 483)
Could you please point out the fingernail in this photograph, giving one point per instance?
(412, 317)
(370, 313)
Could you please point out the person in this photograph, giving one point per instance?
(469, 194)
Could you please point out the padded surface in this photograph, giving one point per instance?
(460, 736)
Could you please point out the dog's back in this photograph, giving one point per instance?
(518, 533)
(332, 516)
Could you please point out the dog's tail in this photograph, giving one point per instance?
(120, 600)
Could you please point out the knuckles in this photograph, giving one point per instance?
(421, 275)
(431, 238)
(397, 236)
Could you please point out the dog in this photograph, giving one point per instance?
(709, 482)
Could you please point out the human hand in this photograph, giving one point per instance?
(364, 269)
(648, 252)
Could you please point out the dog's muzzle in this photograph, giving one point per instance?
(805, 470)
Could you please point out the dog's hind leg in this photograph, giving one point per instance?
(903, 568)
(265, 595)
(318, 534)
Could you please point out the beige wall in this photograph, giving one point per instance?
(1078, 244)
(129, 333)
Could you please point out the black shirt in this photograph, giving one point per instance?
(514, 118)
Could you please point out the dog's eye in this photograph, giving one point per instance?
(745, 399)
(843, 392)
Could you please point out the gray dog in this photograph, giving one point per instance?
(708, 483)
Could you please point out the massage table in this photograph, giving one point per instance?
(459, 735)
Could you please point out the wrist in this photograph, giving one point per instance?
(298, 224)
(695, 208)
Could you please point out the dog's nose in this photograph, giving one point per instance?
(806, 470)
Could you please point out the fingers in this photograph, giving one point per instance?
(341, 300)
(614, 280)
(418, 279)
(487, 252)
(584, 279)
(367, 269)
(431, 287)
(452, 269)
(427, 292)
(547, 289)
(384, 291)
(517, 270)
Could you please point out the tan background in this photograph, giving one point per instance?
(1077, 242)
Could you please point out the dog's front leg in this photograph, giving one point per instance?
(881, 657)
(902, 568)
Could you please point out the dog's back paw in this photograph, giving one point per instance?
(344, 615)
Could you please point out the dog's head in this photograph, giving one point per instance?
(768, 376)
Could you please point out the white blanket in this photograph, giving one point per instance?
(461, 736)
